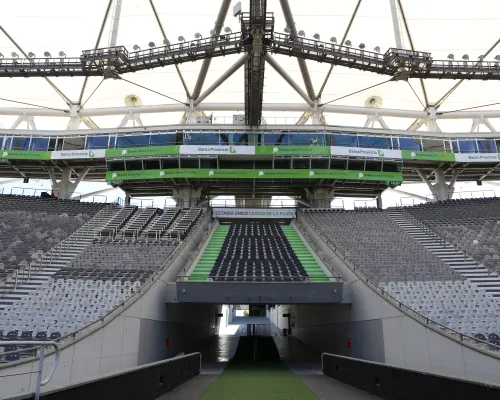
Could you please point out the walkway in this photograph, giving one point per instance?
(285, 369)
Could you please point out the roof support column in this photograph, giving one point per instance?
(186, 196)
(29, 119)
(287, 12)
(116, 23)
(440, 189)
(395, 24)
(219, 23)
(65, 188)
(320, 197)
(273, 63)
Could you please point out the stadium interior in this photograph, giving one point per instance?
(342, 255)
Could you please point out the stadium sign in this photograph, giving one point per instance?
(427, 155)
(364, 152)
(220, 150)
(195, 173)
(292, 150)
(77, 154)
(24, 155)
(475, 157)
(260, 213)
(142, 151)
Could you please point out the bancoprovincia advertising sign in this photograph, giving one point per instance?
(221, 150)
(195, 173)
(254, 213)
(474, 157)
(72, 154)
(364, 152)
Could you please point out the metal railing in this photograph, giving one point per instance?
(457, 247)
(261, 279)
(28, 346)
(70, 338)
(466, 339)
(51, 255)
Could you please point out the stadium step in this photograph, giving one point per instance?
(313, 269)
(52, 261)
(207, 260)
(463, 264)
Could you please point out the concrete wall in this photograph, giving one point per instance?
(380, 331)
(138, 335)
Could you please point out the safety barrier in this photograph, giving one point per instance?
(31, 346)
(146, 382)
(390, 382)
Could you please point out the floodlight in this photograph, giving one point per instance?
(362, 46)
(227, 29)
(333, 39)
(481, 58)
(287, 29)
(197, 35)
(237, 9)
(377, 49)
(302, 33)
(348, 43)
(31, 55)
(181, 39)
(213, 32)
(47, 54)
(316, 36)
(151, 44)
(14, 54)
(465, 57)
(136, 47)
(166, 42)
(451, 57)
(497, 58)
(62, 54)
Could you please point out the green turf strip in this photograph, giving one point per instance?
(267, 379)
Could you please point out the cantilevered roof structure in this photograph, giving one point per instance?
(449, 33)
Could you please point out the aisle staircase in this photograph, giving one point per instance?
(455, 258)
(210, 254)
(28, 280)
(313, 269)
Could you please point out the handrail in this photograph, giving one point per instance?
(451, 332)
(428, 229)
(263, 279)
(140, 291)
(41, 344)
(48, 256)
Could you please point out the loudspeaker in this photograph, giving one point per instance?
(26, 180)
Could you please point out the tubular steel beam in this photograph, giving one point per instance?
(273, 63)
(287, 12)
(235, 67)
(219, 23)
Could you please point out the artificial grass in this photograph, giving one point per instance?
(267, 379)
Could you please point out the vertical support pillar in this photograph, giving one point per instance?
(239, 201)
(127, 198)
(64, 183)
(379, 201)
(65, 188)
(440, 189)
(320, 197)
(187, 196)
